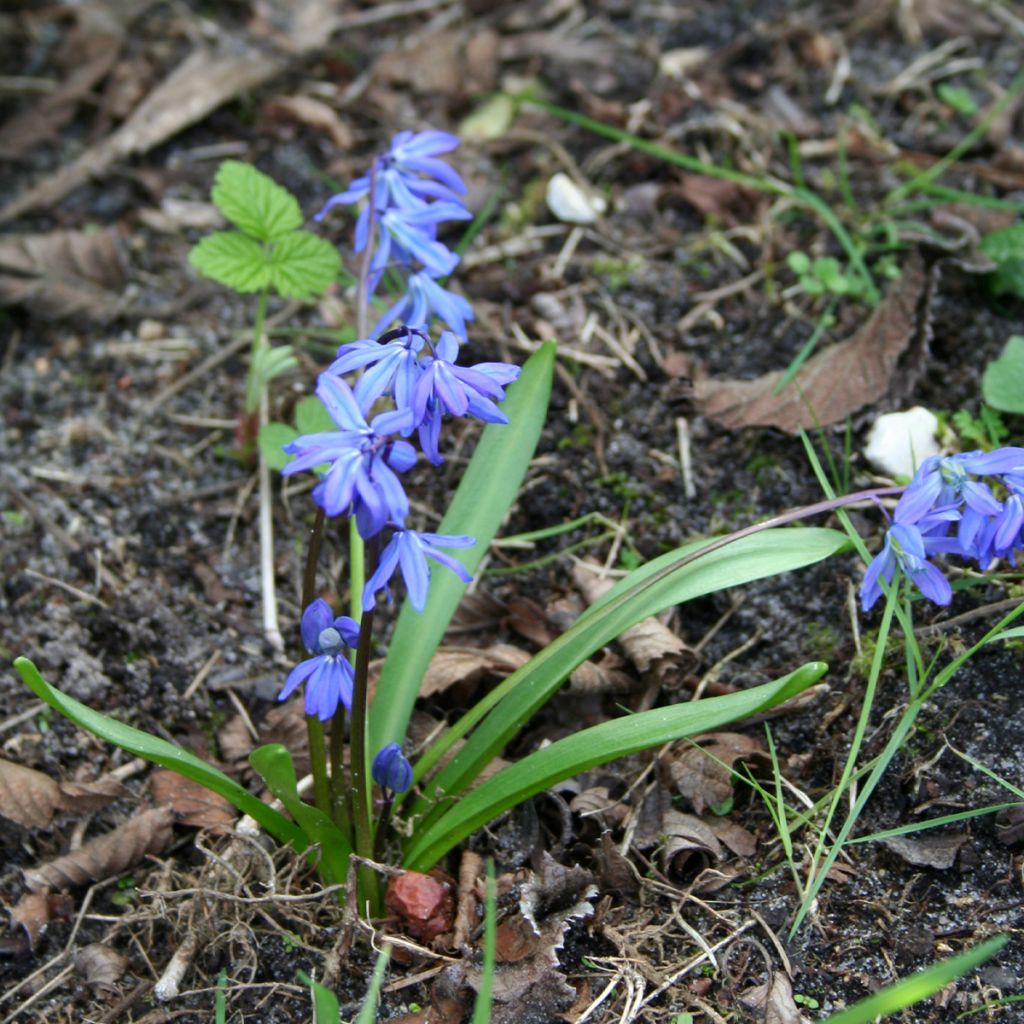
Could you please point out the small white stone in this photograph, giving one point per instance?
(570, 203)
(899, 442)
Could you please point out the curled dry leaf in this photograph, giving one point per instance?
(101, 966)
(701, 778)
(602, 676)
(192, 804)
(35, 910)
(684, 835)
(466, 665)
(31, 798)
(773, 1001)
(313, 113)
(835, 382)
(64, 274)
(148, 833)
(651, 646)
(596, 801)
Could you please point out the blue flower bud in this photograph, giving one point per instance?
(391, 769)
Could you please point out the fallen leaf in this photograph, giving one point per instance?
(700, 777)
(466, 665)
(713, 197)
(932, 852)
(35, 910)
(773, 1001)
(452, 63)
(734, 836)
(234, 740)
(602, 676)
(835, 382)
(684, 835)
(616, 872)
(27, 797)
(64, 274)
(192, 804)
(101, 966)
(311, 112)
(148, 833)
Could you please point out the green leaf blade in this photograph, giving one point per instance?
(160, 752)
(595, 746)
(484, 496)
(303, 265)
(1002, 384)
(272, 439)
(232, 259)
(254, 202)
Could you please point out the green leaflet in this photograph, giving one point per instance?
(597, 745)
(160, 752)
(488, 489)
(254, 202)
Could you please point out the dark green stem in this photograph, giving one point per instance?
(254, 385)
(340, 791)
(314, 727)
(382, 826)
(359, 767)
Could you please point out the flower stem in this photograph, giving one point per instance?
(314, 727)
(359, 765)
(340, 792)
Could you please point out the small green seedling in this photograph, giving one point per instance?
(1002, 385)
(267, 251)
(1005, 248)
(824, 275)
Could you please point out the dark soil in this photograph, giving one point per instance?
(129, 549)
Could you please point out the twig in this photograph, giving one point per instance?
(81, 594)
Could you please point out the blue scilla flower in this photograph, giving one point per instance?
(362, 460)
(906, 548)
(408, 550)
(408, 174)
(391, 769)
(946, 480)
(461, 390)
(328, 674)
(408, 236)
(391, 363)
(425, 298)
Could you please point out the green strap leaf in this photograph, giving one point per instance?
(274, 764)
(597, 745)
(486, 493)
(160, 752)
(254, 202)
(671, 579)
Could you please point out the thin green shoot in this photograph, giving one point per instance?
(924, 826)
(930, 174)
(956, 195)
(368, 1013)
(985, 770)
(824, 322)
(325, 1002)
(843, 168)
(479, 222)
(989, 1005)
(482, 1007)
(220, 999)
(796, 167)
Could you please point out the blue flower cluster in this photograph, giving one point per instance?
(947, 509)
(408, 384)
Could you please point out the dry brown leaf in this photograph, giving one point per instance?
(734, 836)
(192, 804)
(35, 910)
(931, 852)
(602, 676)
(699, 777)
(311, 112)
(234, 740)
(684, 835)
(651, 646)
(205, 79)
(64, 274)
(450, 63)
(466, 665)
(715, 198)
(84, 797)
(101, 966)
(530, 621)
(835, 382)
(773, 1001)
(148, 833)
(616, 872)
(26, 796)
(87, 55)
(596, 802)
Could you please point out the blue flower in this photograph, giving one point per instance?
(328, 674)
(411, 235)
(362, 460)
(398, 174)
(906, 548)
(424, 298)
(461, 390)
(391, 769)
(409, 550)
(941, 481)
(393, 362)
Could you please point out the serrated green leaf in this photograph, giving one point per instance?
(233, 259)
(1002, 384)
(1006, 248)
(273, 437)
(303, 265)
(312, 417)
(254, 202)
